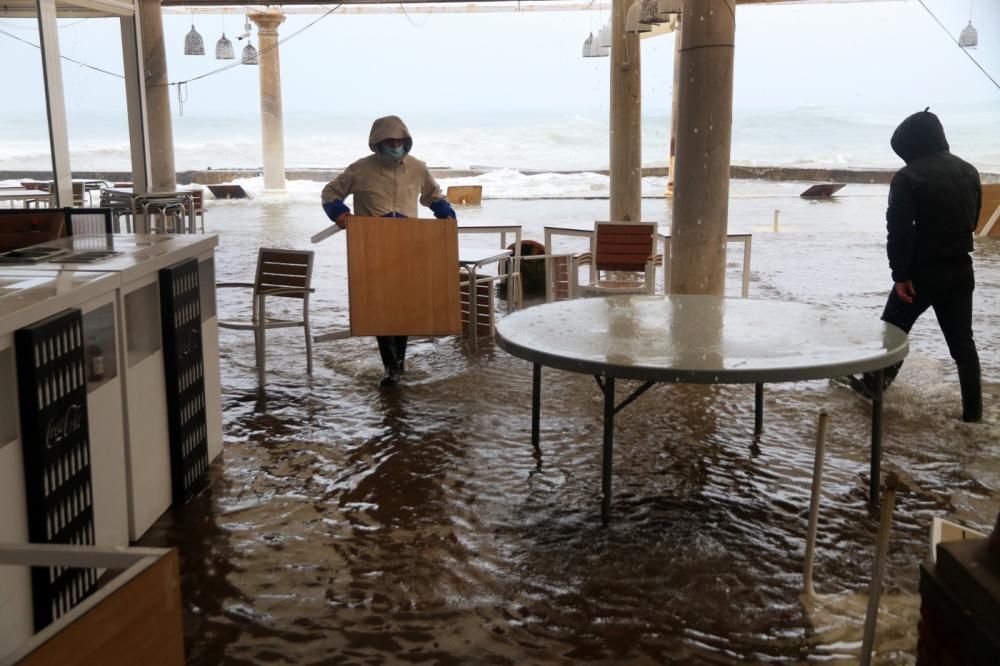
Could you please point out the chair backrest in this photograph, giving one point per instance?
(623, 246)
(88, 221)
(283, 269)
(198, 196)
(79, 193)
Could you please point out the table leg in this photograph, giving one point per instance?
(536, 404)
(473, 314)
(758, 410)
(876, 454)
(609, 436)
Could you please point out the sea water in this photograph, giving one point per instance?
(352, 524)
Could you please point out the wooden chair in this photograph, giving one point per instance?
(198, 197)
(79, 195)
(622, 260)
(283, 274)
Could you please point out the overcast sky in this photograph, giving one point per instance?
(861, 56)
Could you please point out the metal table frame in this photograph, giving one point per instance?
(517, 342)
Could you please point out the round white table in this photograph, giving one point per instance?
(701, 340)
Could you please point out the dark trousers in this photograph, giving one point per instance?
(947, 287)
(393, 351)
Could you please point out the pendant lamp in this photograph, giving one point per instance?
(632, 19)
(666, 8)
(250, 55)
(969, 38)
(650, 12)
(604, 37)
(224, 49)
(193, 43)
(588, 46)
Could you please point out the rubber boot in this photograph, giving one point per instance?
(972, 393)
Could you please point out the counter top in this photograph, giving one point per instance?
(30, 294)
(137, 254)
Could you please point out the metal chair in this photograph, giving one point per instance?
(280, 274)
(622, 260)
(88, 221)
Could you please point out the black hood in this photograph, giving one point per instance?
(919, 135)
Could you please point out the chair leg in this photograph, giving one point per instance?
(309, 348)
(261, 340)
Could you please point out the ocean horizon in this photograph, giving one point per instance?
(536, 140)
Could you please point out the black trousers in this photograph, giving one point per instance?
(393, 351)
(947, 288)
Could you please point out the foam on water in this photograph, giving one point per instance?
(548, 141)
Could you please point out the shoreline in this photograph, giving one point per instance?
(737, 172)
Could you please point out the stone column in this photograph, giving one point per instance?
(161, 130)
(272, 131)
(626, 117)
(704, 132)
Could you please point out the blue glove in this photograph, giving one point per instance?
(442, 209)
(335, 209)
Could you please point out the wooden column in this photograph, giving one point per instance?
(272, 130)
(671, 161)
(626, 117)
(160, 129)
(704, 131)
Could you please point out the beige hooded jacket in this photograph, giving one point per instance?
(382, 185)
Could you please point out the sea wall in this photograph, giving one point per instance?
(776, 173)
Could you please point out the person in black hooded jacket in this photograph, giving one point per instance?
(934, 204)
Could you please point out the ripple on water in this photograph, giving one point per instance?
(348, 524)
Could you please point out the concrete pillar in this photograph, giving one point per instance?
(161, 130)
(704, 133)
(671, 162)
(272, 131)
(55, 104)
(626, 117)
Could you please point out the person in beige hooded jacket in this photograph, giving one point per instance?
(386, 184)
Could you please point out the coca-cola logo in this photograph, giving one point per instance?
(189, 346)
(64, 425)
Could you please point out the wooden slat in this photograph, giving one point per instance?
(285, 269)
(282, 280)
(284, 257)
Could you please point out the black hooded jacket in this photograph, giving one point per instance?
(934, 200)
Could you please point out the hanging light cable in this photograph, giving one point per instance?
(193, 43)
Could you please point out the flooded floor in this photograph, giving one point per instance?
(347, 524)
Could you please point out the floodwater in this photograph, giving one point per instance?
(347, 524)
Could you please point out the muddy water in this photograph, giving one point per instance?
(348, 524)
